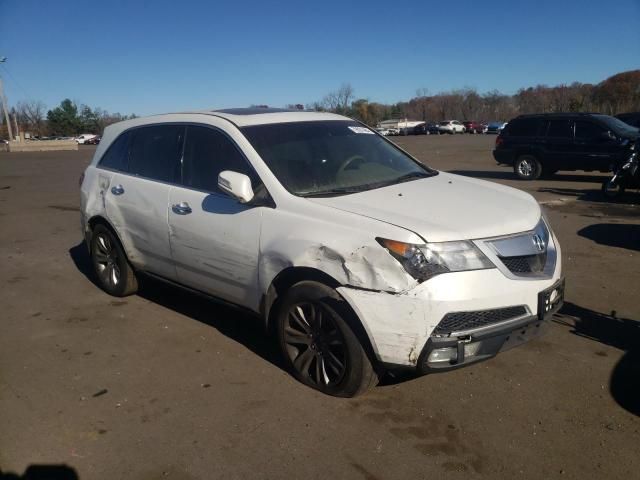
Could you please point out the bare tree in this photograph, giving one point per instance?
(32, 114)
(339, 100)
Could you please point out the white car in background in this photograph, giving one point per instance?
(84, 137)
(357, 256)
(451, 126)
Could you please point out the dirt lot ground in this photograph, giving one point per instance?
(168, 385)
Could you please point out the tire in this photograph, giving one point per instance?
(527, 167)
(113, 272)
(612, 190)
(319, 344)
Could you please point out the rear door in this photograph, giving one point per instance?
(137, 201)
(559, 146)
(593, 147)
(214, 238)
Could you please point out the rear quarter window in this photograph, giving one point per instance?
(526, 127)
(117, 155)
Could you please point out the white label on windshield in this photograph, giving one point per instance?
(361, 130)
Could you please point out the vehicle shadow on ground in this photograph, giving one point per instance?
(43, 472)
(619, 235)
(621, 333)
(239, 325)
(509, 175)
(593, 195)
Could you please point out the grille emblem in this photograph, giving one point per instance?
(539, 244)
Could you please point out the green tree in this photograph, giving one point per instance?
(64, 119)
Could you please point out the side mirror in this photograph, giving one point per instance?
(608, 135)
(238, 185)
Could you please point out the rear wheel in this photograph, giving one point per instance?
(527, 167)
(319, 344)
(114, 274)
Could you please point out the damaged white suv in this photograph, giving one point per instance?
(356, 255)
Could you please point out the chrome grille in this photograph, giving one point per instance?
(462, 321)
(529, 254)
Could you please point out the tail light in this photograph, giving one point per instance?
(81, 179)
(499, 140)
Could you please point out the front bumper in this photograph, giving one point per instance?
(455, 351)
(401, 327)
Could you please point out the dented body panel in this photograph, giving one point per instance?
(400, 325)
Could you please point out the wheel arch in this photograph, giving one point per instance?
(100, 220)
(293, 275)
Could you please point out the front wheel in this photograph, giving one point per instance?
(527, 167)
(612, 189)
(319, 343)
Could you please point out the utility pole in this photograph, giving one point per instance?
(3, 99)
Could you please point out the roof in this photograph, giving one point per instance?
(243, 117)
(557, 114)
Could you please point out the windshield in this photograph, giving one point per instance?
(618, 126)
(331, 157)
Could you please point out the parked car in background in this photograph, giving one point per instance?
(433, 129)
(315, 224)
(542, 144)
(93, 141)
(451, 126)
(383, 131)
(474, 127)
(81, 139)
(495, 127)
(632, 119)
(420, 129)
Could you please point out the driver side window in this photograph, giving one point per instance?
(208, 152)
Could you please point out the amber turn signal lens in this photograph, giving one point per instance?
(399, 248)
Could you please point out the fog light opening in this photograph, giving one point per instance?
(438, 355)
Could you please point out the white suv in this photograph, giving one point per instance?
(451, 126)
(359, 258)
(84, 137)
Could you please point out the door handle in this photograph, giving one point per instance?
(117, 190)
(181, 208)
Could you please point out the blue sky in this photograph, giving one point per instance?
(149, 57)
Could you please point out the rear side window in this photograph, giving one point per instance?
(560, 129)
(588, 130)
(526, 127)
(207, 153)
(155, 152)
(117, 156)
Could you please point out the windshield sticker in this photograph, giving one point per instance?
(361, 130)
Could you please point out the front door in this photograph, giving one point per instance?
(594, 147)
(214, 238)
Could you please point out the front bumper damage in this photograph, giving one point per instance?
(403, 327)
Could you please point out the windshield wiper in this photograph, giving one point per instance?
(410, 176)
(330, 192)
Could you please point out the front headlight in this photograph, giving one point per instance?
(425, 261)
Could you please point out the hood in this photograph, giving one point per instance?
(445, 207)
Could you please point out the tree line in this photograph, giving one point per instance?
(67, 119)
(617, 94)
